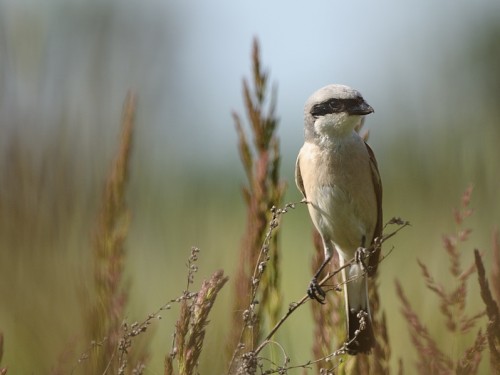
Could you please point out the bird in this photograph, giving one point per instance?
(338, 176)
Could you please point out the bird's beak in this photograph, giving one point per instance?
(361, 109)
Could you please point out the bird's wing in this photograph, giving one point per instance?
(298, 178)
(377, 185)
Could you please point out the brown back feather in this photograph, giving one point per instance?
(377, 185)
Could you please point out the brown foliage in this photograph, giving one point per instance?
(191, 326)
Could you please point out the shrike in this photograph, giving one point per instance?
(337, 173)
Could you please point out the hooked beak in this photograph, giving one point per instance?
(361, 109)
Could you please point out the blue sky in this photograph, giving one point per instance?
(393, 52)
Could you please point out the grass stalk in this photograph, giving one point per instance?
(261, 161)
(107, 300)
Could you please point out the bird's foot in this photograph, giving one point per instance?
(315, 291)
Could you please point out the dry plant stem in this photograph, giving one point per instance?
(342, 350)
(130, 331)
(294, 306)
(308, 365)
(263, 254)
(190, 328)
(493, 327)
(259, 269)
(201, 307)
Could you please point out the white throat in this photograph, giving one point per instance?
(333, 127)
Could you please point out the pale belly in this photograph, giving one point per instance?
(341, 195)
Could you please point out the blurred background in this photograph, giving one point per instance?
(430, 69)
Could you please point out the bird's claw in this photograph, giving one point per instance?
(315, 291)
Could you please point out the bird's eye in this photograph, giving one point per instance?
(327, 107)
(335, 105)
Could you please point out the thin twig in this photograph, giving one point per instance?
(296, 305)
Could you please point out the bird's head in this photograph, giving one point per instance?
(334, 110)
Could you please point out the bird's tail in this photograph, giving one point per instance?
(360, 337)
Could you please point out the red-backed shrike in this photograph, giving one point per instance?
(337, 173)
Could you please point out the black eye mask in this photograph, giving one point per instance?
(337, 106)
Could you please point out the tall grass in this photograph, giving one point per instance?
(190, 329)
(107, 299)
(261, 163)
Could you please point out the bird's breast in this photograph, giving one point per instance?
(338, 185)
